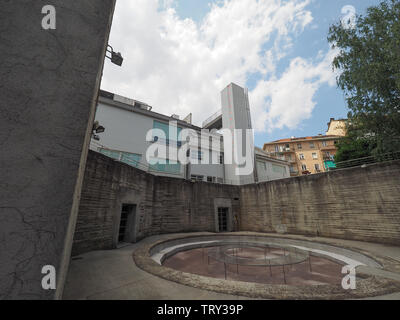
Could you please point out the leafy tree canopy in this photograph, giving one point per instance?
(369, 74)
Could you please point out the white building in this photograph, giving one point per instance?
(127, 123)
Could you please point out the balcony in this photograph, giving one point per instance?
(214, 122)
(327, 148)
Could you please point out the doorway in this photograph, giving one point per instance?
(127, 225)
(223, 219)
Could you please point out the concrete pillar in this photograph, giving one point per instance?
(48, 90)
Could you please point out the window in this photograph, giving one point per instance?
(314, 156)
(312, 145)
(261, 166)
(303, 167)
(209, 179)
(131, 158)
(301, 156)
(165, 128)
(197, 178)
(198, 155)
(164, 165)
(221, 158)
(317, 167)
(324, 143)
(299, 146)
(279, 169)
(276, 148)
(110, 153)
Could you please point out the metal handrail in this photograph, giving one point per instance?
(212, 118)
(368, 160)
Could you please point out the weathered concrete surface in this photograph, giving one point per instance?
(355, 204)
(367, 285)
(112, 275)
(49, 85)
(164, 205)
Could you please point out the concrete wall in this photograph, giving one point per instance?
(125, 130)
(357, 204)
(266, 172)
(49, 85)
(164, 204)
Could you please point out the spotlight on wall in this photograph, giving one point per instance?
(115, 57)
(97, 128)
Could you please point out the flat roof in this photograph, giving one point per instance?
(302, 139)
(108, 98)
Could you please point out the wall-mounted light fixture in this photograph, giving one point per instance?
(97, 128)
(115, 57)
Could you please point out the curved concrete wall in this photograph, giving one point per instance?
(356, 204)
(49, 85)
(164, 204)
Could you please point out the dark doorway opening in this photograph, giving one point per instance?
(127, 224)
(223, 219)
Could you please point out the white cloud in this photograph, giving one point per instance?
(289, 100)
(179, 66)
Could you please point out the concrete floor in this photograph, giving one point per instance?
(103, 275)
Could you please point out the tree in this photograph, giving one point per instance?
(354, 145)
(368, 63)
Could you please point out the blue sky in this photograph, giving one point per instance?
(180, 54)
(330, 100)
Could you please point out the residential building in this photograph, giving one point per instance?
(336, 127)
(307, 155)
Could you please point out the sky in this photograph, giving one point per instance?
(180, 54)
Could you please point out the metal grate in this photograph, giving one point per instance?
(124, 222)
(223, 219)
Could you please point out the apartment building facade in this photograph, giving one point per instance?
(337, 127)
(307, 155)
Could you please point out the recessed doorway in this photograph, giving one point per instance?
(127, 225)
(223, 219)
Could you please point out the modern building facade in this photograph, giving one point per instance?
(307, 155)
(132, 128)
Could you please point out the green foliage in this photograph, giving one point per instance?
(354, 145)
(369, 66)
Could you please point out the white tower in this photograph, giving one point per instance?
(236, 115)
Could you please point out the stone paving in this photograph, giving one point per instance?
(113, 274)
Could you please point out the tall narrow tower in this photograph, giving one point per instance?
(236, 115)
